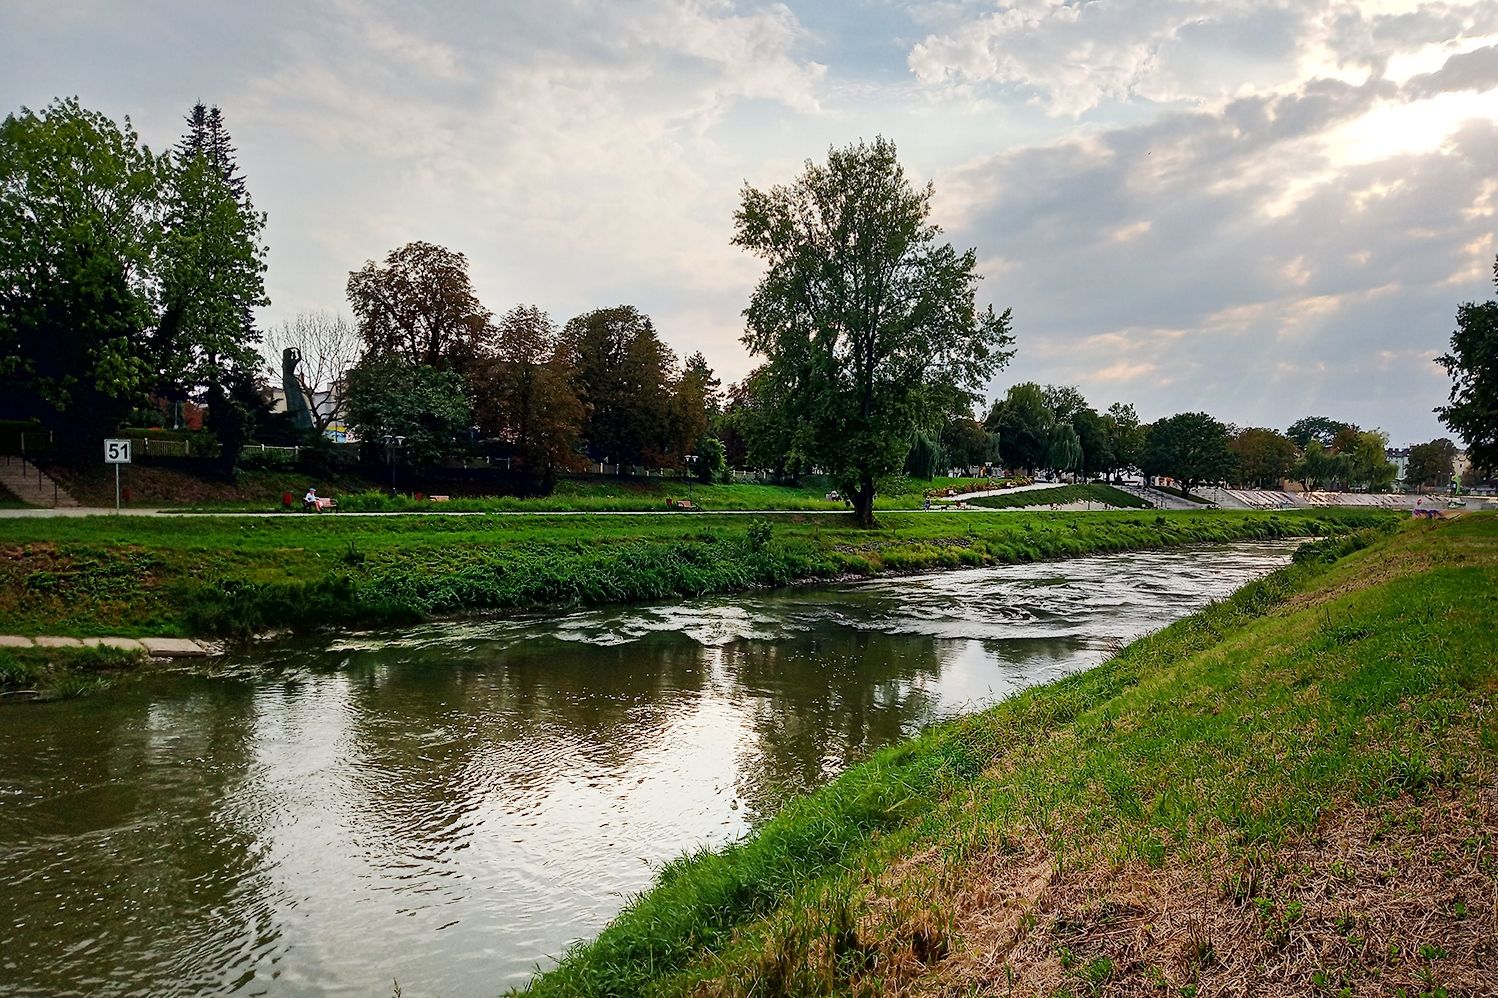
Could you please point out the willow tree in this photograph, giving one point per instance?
(868, 323)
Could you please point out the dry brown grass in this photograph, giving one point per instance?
(1383, 900)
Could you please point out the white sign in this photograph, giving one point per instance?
(116, 452)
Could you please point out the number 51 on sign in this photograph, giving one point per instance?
(116, 452)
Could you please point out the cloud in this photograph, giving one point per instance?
(1475, 70)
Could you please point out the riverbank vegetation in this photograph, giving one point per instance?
(1289, 792)
(1062, 495)
(59, 673)
(236, 576)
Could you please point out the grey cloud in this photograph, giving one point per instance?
(1475, 70)
(1345, 282)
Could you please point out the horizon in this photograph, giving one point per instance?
(1260, 214)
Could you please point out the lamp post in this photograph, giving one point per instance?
(391, 443)
(691, 460)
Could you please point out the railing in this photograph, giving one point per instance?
(28, 472)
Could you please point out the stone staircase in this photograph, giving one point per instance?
(31, 484)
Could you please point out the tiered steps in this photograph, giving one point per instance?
(31, 484)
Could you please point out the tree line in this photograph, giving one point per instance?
(130, 278)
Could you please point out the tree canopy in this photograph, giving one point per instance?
(1264, 457)
(1472, 364)
(1191, 448)
(864, 317)
(420, 306)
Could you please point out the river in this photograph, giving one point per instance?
(451, 805)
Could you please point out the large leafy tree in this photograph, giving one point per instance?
(1369, 462)
(1191, 447)
(80, 228)
(1320, 428)
(1472, 363)
(1430, 463)
(524, 396)
(390, 397)
(1092, 434)
(1023, 422)
(1125, 436)
(420, 306)
(694, 403)
(967, 444)
(1316, 467)
(625, 377)
(1063, 449)
(1264, 457)
(868, 322)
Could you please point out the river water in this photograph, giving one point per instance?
(451, 805)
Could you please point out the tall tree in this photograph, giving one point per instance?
(420, 306)
(863, 316)
(1125, 436)
(1264, 457)
(694, 403)
(1064, 401)
(967, 444)
(1430, 463)
(1191, 447)
(1370, 464)
(1023, 423)
(212, 279)
(1308, 428)
(329, 347)
(1316, 466)
(422, 410)
(1063, 449)
(80, 228)
(525, 396)
(625, 380)
(1472, 364)
(1092, 435)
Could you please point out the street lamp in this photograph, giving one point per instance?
(391, 443)
(691, 459)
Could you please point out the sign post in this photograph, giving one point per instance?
(116, 452)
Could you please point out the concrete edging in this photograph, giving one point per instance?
(155, 647)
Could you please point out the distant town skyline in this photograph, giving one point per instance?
(1258, 210)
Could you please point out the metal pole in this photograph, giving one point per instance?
(117, 490)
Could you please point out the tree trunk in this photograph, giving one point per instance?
(863, 501)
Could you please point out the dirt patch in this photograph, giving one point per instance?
(1398, 898)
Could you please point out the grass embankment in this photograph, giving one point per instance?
(234, 576)
(1291, 792)
(607, 495)
(59, 673)
(1063, 495)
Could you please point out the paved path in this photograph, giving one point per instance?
(156, 647)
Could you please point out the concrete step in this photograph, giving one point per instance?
(30, 484)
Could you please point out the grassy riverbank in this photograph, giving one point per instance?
(232, 576)
(1062, 495)
(1291, 792)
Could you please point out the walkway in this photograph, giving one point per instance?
(155, 647)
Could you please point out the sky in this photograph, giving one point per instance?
(1258, 208)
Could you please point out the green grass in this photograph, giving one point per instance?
(621, 495)
(1063, 494)
(1223, 737)
(60, 673)
(236, 575)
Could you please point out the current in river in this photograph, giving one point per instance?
(450, 806)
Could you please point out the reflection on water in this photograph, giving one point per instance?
(450, 805)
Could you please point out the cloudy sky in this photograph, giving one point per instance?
(1261, 208)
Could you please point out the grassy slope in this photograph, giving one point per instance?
(1063, 494)
(1289, 792)
(207, 575)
